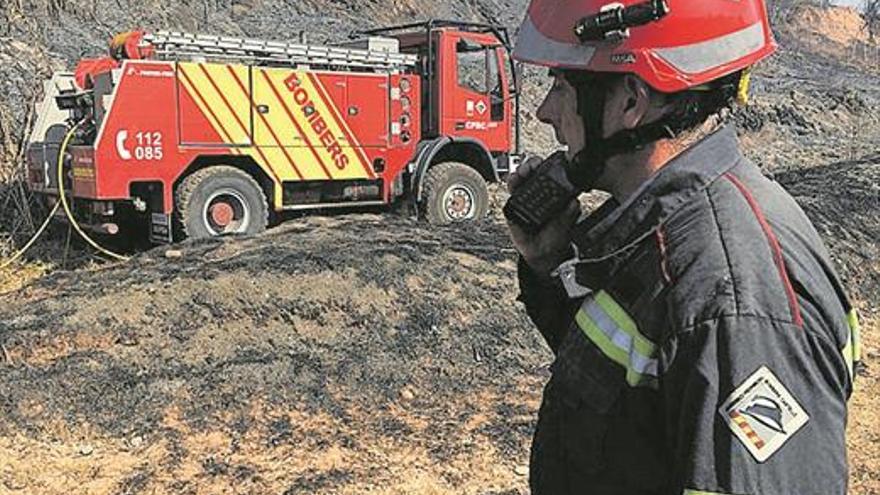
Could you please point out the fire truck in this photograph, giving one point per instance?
(196, 136)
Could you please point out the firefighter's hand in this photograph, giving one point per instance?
(547, 249)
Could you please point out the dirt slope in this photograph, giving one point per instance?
(843, 25)
(329, 356)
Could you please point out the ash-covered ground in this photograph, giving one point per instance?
(328, 356)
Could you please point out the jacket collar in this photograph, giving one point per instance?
(615, 230)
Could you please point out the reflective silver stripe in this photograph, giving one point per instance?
(702, 56)
(701, 492)
(644, 365)
(532, 46)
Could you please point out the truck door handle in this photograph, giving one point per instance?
(263, 109)
(352, 110)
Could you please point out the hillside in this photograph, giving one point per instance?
(358, 352)
(302, 361)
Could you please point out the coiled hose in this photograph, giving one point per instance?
(63, 202)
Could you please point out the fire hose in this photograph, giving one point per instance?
(63, 202)
(33, 239)
(66, 206)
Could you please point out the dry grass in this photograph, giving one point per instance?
(17, 276)
(16, 227)
(313, 457)
(17, 222)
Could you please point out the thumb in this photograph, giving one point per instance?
(563, 223)
(523, 172)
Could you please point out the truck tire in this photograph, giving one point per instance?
(454, 192)
(220, 200)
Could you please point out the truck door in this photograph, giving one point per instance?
(214, 104)
(474, 94)
(315, 123)
(283, 103)
(366, 110)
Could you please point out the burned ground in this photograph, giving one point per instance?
(843, 200)
(355, 353)
(344, 354)
(363, 337)
(340, 354)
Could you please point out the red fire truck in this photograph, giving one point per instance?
(197, 136)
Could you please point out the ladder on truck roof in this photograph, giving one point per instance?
(176, 44)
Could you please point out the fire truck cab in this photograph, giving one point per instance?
(197, 136)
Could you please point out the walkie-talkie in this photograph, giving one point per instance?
(544, 195)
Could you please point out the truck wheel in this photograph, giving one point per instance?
(454, 192)
(220, 200)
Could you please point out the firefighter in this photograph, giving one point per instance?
(703, 344)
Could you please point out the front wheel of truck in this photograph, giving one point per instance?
(454, 192)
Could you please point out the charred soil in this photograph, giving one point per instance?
(329, 356)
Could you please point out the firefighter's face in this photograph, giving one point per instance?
(559, 109)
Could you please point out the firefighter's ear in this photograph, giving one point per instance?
(635, 101)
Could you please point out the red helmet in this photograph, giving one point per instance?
(672, 45)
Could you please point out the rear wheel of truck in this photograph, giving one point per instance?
(454, 192)
(220, 200)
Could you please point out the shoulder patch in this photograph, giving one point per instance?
(763, 414)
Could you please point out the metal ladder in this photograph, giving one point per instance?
(173, 44)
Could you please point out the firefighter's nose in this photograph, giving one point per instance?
(546, 112)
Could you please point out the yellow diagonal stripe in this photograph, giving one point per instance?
(223, 96)
(353, 168)
(235, 120)
(299, 141)
(206, 112)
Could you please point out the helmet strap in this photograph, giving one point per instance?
(589, 163)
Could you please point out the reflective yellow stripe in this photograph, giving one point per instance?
(852, 351)
(742, 92)
(608, 326)
(856, 329)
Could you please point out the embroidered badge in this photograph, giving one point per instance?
(763, 414)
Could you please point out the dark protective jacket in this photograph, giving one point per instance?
(707, 346)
